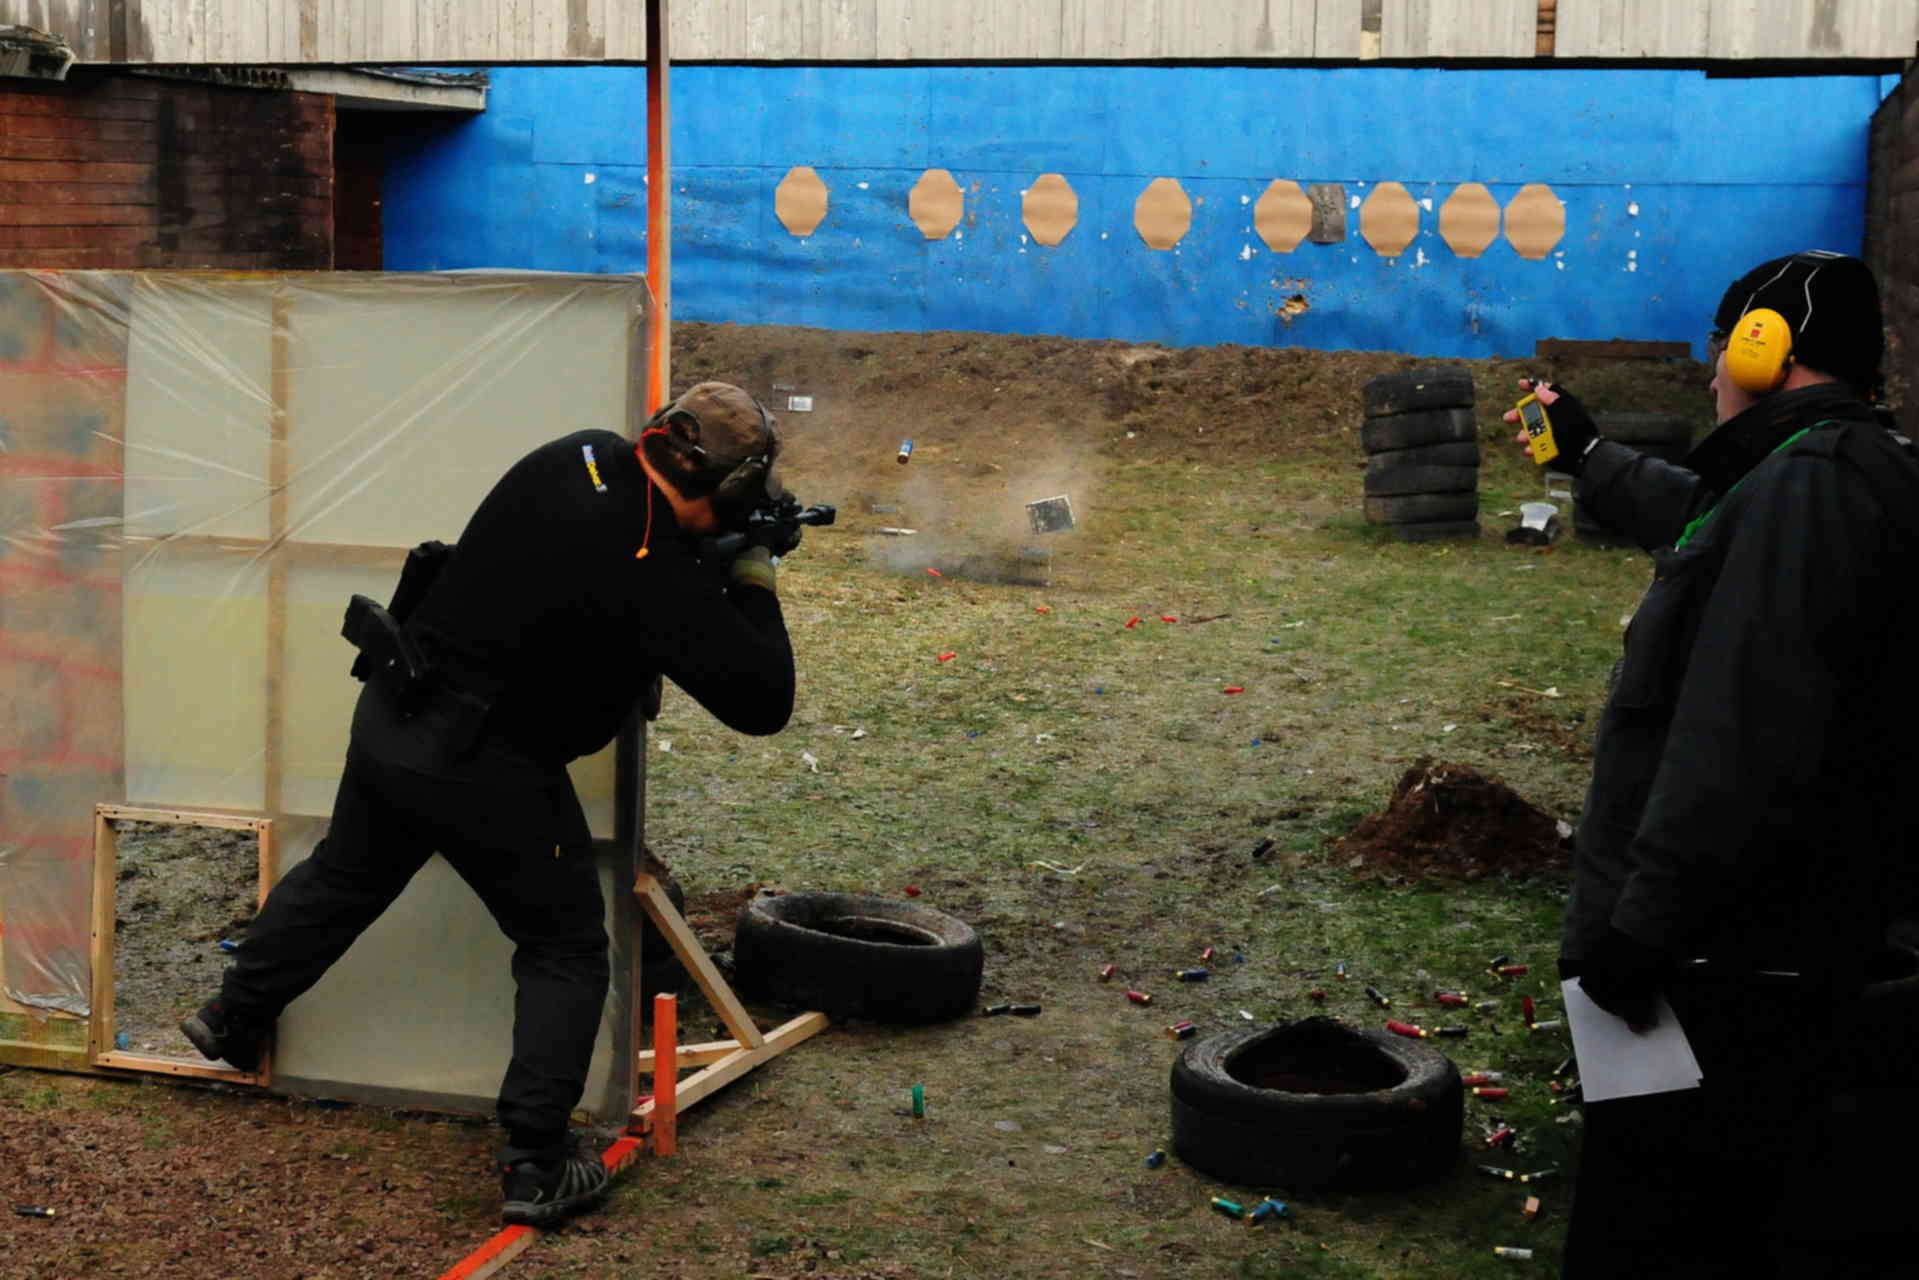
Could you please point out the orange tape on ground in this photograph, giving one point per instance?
(512, 1241)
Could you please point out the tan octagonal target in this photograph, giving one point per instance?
(1535, 220)
(1163, 214)
(1469, 220)
(1049, 208)
(1389, 219)
(800, 201)
(935, 204)
(1283, 215)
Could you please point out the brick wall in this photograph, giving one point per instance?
(109, 170)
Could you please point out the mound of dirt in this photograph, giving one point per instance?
(1451, 822)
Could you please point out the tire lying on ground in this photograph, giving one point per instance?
(1316, 1104)
(857, 956)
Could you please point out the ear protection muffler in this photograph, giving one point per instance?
(1759, 351)
(745, 483)
(1759, 348)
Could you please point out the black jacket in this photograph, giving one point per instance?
(547, 610)
(1750, 798)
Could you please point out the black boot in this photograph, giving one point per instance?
(220, 1033)
(543, 1191)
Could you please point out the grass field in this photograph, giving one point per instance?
(1084, 792)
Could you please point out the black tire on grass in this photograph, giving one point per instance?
(1395, 1122)
(854, 955)
(1423, 508)
(1413, 430)
(1431, 387)
(1391, 481)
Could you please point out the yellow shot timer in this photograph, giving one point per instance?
(1532, 416)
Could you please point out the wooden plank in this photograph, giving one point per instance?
(89, 150)
(279, 465)
(100, 944)
(76, 215)
(67, 259)
(692, 1055)
(720, 1074)
(68, 171)
(76, 193)
(669, 922)
(225, 820)
(77, 238)
(118, 1061)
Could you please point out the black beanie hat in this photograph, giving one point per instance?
(1832, 304)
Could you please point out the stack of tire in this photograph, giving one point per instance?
(1422, 453)
(1663, 435)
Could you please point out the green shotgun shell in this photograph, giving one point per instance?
(919, 1101)
(1228, 1207)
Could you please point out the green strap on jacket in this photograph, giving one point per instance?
(1709, 512)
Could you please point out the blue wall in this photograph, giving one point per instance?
(1673, 184)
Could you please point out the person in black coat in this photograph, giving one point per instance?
(574, 588)
(1744, 845)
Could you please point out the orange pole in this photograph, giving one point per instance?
(666, 1073)
(659, 212)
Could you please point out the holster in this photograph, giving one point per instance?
(417, 575)
(385, 650)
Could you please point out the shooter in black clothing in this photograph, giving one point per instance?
(573, 588)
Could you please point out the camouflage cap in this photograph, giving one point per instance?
(717, 428)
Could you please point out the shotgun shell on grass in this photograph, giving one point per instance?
(1489, 1091)
(1406, 1029)
(919, 1101)
(1526, 1009)
(1191, 975)
(994, 1010)
(1501, 1137)
(1154, 1159)
(1339, 970)
(1480, 1077)
(33, 1211)
(1493, 1170)
(1486, 1006)
(1106, 972)
(1024, 1010)
(1511, 1251)
(906, 451)
(1550, 1024)
(1231, 1208)
(1539, 1175)
(1139, 997)
(1455, 998)
(1182, 1030)
(1510, 970)
(1531, 1207)
(1206, 956)
(1450, 1032)
(1377, 997)
(1266, 1211)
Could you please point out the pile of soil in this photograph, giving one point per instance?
(1451, 822)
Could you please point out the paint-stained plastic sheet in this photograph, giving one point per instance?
(197, 470)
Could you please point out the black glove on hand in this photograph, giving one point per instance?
(1623, 975)
(1573, 429)
(779, 536)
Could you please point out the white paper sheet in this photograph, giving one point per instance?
(1617, 1062)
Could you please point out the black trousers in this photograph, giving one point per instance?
(1774, 1167)
(514, 831)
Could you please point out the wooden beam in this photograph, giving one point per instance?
(669, 922)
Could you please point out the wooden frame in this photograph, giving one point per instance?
(717, 1062)
(106, 862)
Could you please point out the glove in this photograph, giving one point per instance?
(1623, 975)
(779, 537)
(1573, 428)
(753, 567)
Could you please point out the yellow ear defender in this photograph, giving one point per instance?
(1759, 351)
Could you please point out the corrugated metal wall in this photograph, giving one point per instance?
(505, 31)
